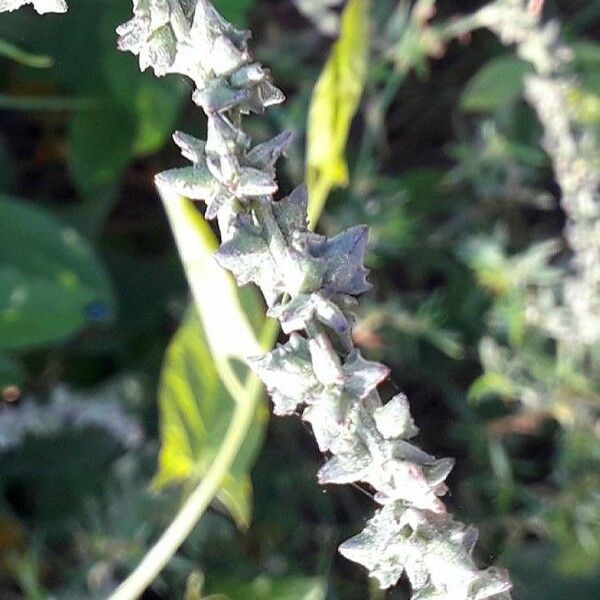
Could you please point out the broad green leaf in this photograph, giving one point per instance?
(100, 146)
(69, 40)
(585, 106)
(36, 242)
(35, 310)
(195, 412)
(264, 588)
(228, 330)
(498, 83)
(334, 103)
(51, 282)
(200, 386)
(157, 104)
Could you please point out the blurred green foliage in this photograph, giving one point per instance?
(51, 283)
(445, 167)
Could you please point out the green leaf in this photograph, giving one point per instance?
(491, 384)
(585, 104)
(195, 412)
(498, 83)
(100, 146)
(264, 588)
(334, 103)
(203, 379)
(229, 332)
(67, 40)
(35, 310)
(157, 105)
(51, 282)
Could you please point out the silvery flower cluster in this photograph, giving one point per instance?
(41, 6)
(310, 283)
(68, 409)
(576, 158)
(570, 312)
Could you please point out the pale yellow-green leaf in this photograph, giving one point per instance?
(201, 387)
(227, 327)
(334, 103)
(195, 412)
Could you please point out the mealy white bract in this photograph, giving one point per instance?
(41, 6)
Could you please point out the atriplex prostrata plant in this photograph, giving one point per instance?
(563, 309)
(309, 283)
(550, 366)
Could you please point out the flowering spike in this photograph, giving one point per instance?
(195, 183)
(191, 148)
(246, 255)
(309, 283)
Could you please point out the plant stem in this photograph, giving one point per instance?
(197, 502)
